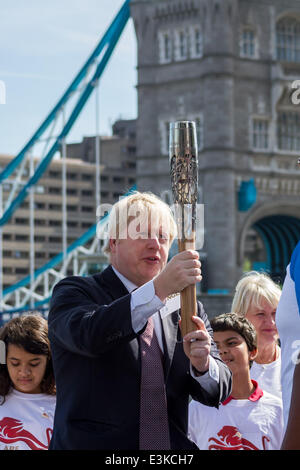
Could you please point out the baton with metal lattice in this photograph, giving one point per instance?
(183, 155)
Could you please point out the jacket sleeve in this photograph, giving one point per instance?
(82, 324)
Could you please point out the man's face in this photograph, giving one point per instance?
(142, 255)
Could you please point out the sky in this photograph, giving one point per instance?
(43, 45)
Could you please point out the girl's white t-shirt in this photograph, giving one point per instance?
(26, 421)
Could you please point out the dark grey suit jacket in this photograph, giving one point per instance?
(97, 367)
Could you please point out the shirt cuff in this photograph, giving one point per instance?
(211, 378)
(144, 303)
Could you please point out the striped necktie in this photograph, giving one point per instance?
(154, 427)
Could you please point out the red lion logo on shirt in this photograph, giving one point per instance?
(12, 430)
(231, 439)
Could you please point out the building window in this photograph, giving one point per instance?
(288, 40)
(54, 174)
(260, 134)
(71, 192)
(40, 222)
(54, 223)
(165, 47)
(55, 207)
(87, 193)
(54, 239)
(196, 42)
(181, 44)
(7, 270)
(248, 43)
(87, 177)
(87, 208)
(72, 224)
(131, 150)
(118, 179)
(39, 238)
(7, 253)
(39, 205)
(288, 130)
(164, 137)
(21, 254)
(21, 221)
(21, 238)
(7, 236)
(21, 270)
(131, 165)
(53, 190)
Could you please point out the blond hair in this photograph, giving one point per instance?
(138, 208)
(252, 289)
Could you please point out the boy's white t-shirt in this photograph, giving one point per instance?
(26, 421)
(268, 375)
(252, 424)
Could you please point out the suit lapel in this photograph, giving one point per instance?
(115, 289)
(111, 283)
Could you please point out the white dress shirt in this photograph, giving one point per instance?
(144, 304)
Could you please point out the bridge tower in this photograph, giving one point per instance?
(230, 65)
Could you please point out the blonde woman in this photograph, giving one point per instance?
(256, 297)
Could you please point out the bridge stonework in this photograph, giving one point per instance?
(230, 66)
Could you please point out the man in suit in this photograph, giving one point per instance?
(96, 326)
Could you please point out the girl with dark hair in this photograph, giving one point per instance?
(27, 386)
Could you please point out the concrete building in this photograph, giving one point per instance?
(231, 66)
(117, 172)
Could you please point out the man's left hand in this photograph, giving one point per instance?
(197, 344)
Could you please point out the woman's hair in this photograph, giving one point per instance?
(29, 332)
(234, 322)
(133, 209)
(252, 289)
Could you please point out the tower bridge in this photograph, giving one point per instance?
(231, 66)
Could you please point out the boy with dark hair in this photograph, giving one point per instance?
(250, 418)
